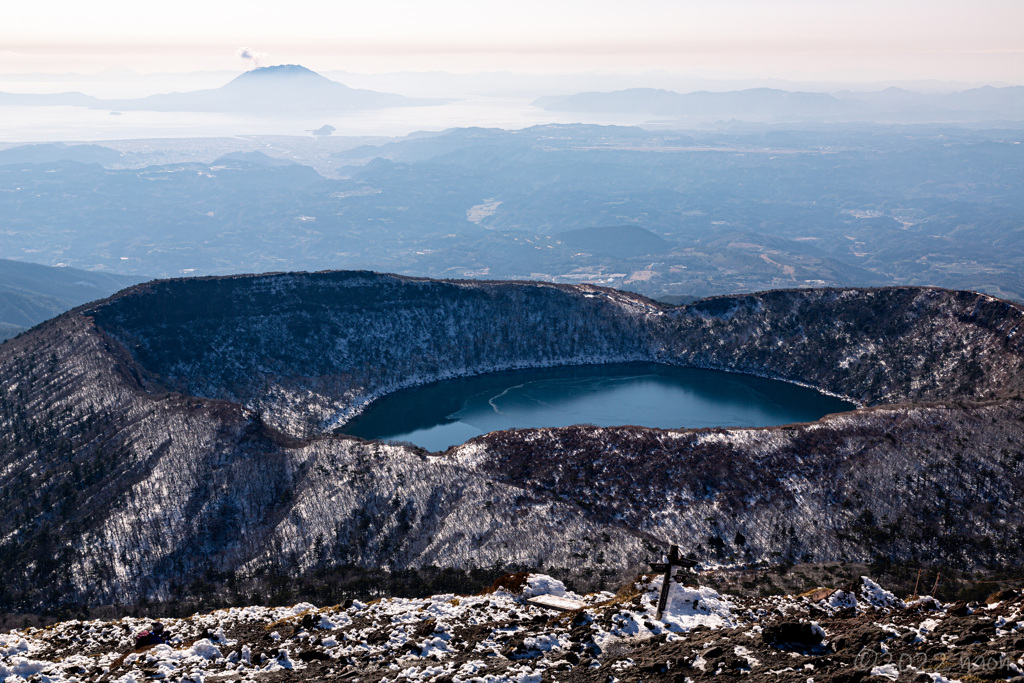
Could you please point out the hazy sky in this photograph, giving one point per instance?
(979, 40)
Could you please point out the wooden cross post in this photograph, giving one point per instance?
(673, 557)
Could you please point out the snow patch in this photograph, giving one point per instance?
(542, 584)
(878, 597)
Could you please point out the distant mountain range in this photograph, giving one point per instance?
(31, 293)
(266, 90)
(58, 151)
(769, 104)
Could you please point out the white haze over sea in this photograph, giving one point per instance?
(485, 100)
(80, 124)
(492, 100)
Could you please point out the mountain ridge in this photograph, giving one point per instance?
(123, 478)
(30, 292)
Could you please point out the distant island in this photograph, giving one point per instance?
(282, 89)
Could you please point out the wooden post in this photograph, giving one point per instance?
(673, 555)
(918, 582)
(935, 588)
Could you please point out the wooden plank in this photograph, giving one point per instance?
(659, 567)
(555, 602)
(818, 594)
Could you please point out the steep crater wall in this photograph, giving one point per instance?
(182, 429)
(309, 350)
(874, 346)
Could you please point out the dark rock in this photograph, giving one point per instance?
(649, 667)
(378, 637)
(854, 676)
(983, 627)
(425, 628)
(1002, 596)
(733, 663)
(960, 609)
(313, 655)
(860, 637)
(788, 635)
(971, 639)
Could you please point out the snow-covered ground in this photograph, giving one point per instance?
(854, 634)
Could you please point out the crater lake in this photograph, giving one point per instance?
(450, 412)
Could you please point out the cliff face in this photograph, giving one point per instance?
(183, 428)
(896, 482)
(872, 345)
(308, 350)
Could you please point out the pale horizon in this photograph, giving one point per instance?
(794, 40)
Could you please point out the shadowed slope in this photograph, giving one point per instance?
(119, 479)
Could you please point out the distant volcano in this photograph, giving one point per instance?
(283, 89)
(288, 88)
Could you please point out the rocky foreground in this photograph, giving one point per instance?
(859, 633)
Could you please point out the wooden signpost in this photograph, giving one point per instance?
(673, 559)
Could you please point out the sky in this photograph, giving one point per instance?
(980, 41)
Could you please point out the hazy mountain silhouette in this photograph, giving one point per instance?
(769, 104)
(58, 151)
(287, 88)
(766, 102)
(30, 293)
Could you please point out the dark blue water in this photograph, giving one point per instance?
(443, 414)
